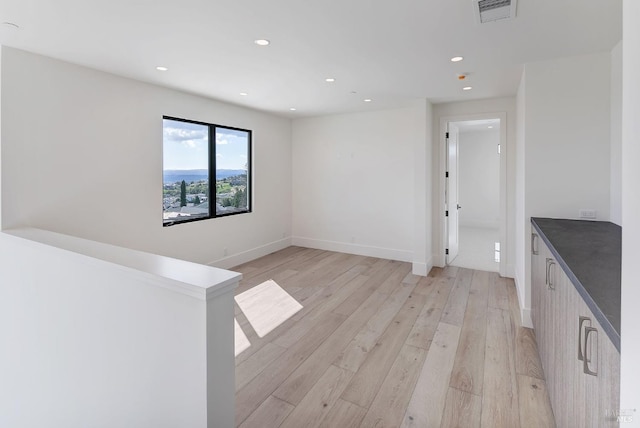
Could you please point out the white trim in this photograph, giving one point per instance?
(442, 224)
(362, 250)
(525, 313)
(420, 269)
(191, 279)
(252, 254)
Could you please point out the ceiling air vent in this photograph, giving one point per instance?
(494, 10)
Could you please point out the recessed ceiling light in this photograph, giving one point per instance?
(330, 79)
(262, 42)
(457, 59)
(490, 127)
(10, 25)
(467, 88)
(292, 109)
(367, 100)
(244, 94)
(161, 68)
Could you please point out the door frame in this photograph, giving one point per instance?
(442, 144)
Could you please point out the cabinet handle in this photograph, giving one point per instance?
(582, 320)
(550, 262)
(585, 365)
(534, 247)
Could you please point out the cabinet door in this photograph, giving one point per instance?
(543, 312)
(601, 376)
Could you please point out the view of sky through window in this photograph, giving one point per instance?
(187, 154)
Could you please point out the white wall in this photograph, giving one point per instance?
(468, 109)
(479, 178)
(616, 135)
(568, 133)
(566, 142)
(522, 255)
(87, 342)
(82, 155)
(360, 183)
(630, 333)
(422, 256)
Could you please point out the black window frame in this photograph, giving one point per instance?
(212, 171)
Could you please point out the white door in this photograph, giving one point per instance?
(451, 193)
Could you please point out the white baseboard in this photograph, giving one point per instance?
(525, 313)
(249, 255)
(361, 250)
(422, 269)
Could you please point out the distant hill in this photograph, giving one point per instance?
(189, 175)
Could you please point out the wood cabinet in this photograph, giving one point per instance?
(581, 364)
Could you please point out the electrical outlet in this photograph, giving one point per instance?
(588, 214)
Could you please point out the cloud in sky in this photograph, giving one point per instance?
(187, 134)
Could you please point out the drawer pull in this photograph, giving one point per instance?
(534, 241)
(550, 262)
(582, 320)
(588, 356)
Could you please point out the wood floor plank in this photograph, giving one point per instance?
(367, 381)
(390, 404)
(344, 414)
(357, 350)
(461, 410)
(425, 326)
(260, 387)
(319, 401)
(411, 279)
(308, 322)
(303, 378)
(500, 390)
(254, 365)
(498, 293)
(527, 357)
(335, 292)
(468, 368)
(426, 406)
(271, 413)
(534, 404)
(357, 314)
(377, 275)
(447, 271)
(453, 312)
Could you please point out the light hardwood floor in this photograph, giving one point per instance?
(377, 346)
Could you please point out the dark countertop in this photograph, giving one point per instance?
(590, 254)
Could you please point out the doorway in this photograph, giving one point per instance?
(474, 192)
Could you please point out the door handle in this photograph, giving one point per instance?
(458, 206)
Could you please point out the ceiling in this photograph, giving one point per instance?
(391, 52)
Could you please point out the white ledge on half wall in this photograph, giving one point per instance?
(193, 279)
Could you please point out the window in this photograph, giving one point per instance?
(191, 151)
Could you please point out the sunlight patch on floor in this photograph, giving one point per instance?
(241, 340)
(266, 306)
